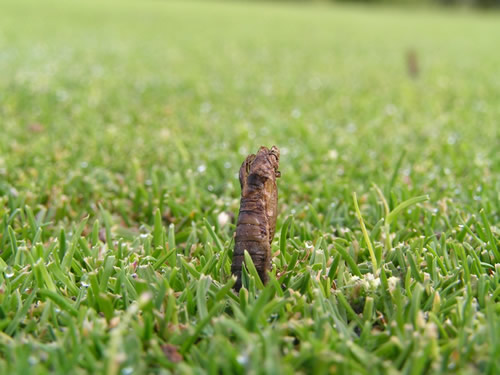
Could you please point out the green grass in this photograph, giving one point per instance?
(123, 126)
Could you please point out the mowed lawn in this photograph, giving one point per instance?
(122, 129)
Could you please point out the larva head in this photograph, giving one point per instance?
(261, 169)
(266, 162)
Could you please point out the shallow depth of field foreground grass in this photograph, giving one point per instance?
(123, 126)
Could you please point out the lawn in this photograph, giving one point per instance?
(123, 126)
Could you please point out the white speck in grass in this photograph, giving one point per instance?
(84, 164)
(333, 154)
(32, 360)
(227, 165)
(452, 139)
(243, 150)
(210, 188)
(62, 95)
(242, 359)
(351, 127)
(164, 133)
(127, 371)
(148, 182)
(293, 211)
(145, 298)
(223, 218)
(343, 230)
(267, 89)
(201, 168)
(84, 284)
(480, 106)
(354, 279)
(370, 282)
(143, 235)
(112, 129)
(392, 282)
(296, 113)
(206, 107)
(431, 330)
(9, 273)
(120, 358)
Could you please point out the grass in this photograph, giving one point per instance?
(123, 126)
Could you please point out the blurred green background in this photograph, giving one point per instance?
(123, 125)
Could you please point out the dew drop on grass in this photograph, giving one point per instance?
(202, 168)
(351, 127)
(242, 359)
(9, 272)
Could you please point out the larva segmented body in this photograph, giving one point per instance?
(258, 210)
